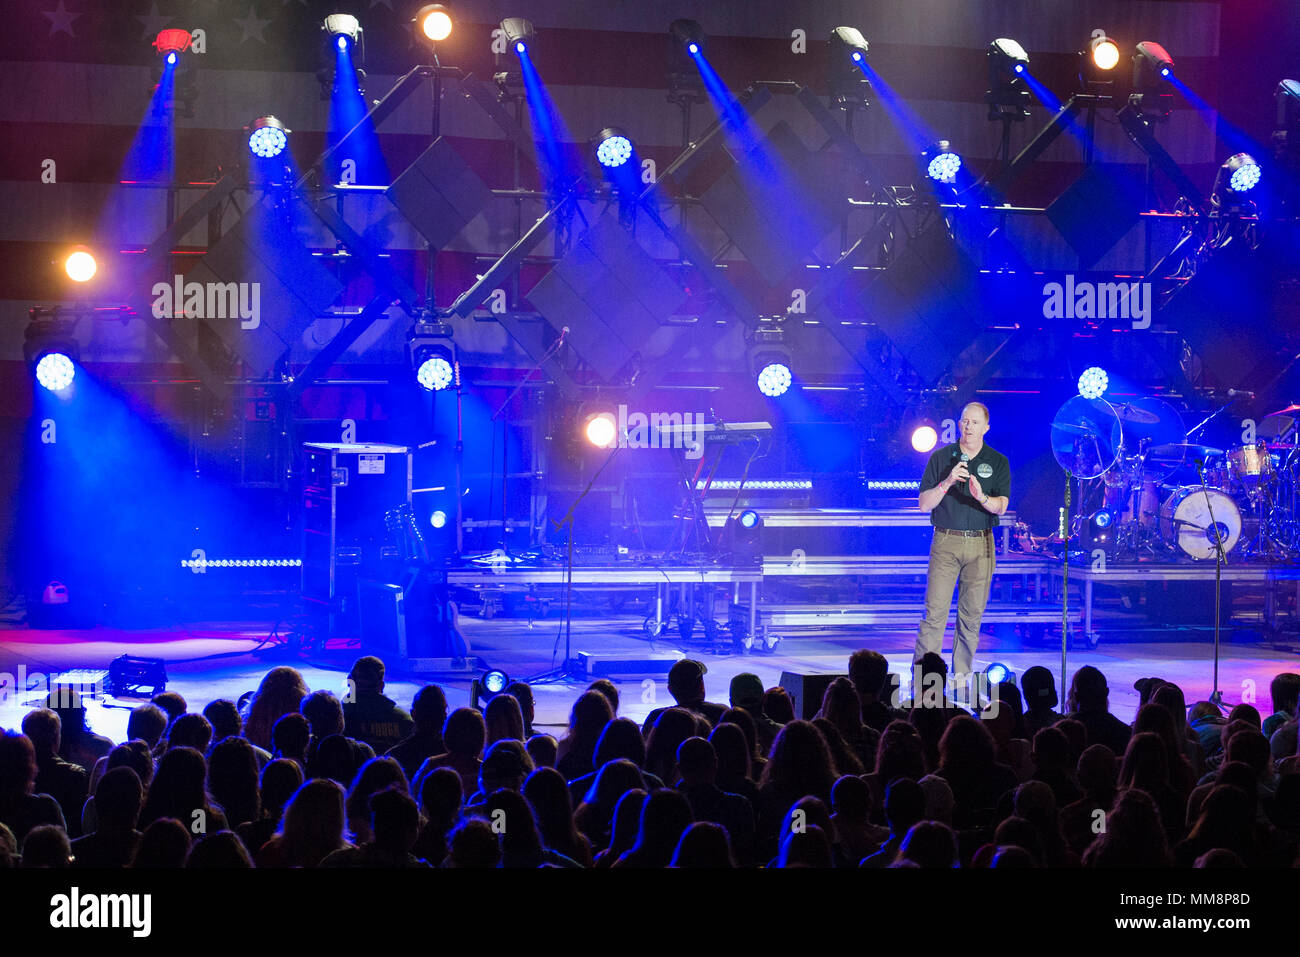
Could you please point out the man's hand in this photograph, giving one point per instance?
(976, 490)
(959, 473)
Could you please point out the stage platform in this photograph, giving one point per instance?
(212, 660)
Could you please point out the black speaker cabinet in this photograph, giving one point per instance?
(807, 691)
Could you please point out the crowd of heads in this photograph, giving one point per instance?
(292, 777)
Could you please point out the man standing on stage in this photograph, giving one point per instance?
(965, 489)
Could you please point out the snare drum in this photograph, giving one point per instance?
(1185, 521)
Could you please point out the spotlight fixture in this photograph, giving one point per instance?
(433, 23)
(487, 686)
(686, 41)
(845, 80)
(1099, 531)
(267, 137)
(172, 41)
(1152, 68)
(51, 352)
(1241, 171)
(924, 438)
(432, 355)
(600, 429)
(518, 33)
(689, 35)
(1097, 61)
(438, 519)
(343, 30)
(1093, 382)
(942, 163)
(997, 673)
(1007, 98)
(1103, 51)
(613, 148)
(774, 377)
(80, 265)
(770, 360)
(743, 536)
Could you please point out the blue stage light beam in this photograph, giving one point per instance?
(348, 115)
(152, 156)
(554, 147)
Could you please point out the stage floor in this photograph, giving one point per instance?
(211, 660)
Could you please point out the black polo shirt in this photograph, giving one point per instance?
(957, 509)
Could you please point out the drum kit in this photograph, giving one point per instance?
(1146, 492)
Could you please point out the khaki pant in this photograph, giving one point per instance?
(956, 560)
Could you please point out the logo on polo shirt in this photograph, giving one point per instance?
(984, 470)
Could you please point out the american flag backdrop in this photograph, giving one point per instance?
(77, 78)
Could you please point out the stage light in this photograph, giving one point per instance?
(1009, 56)
(942, 164)
(80, 265)
(601, 430)
(171, 58)
(1103, 51)
(55, 371)
(1288, 104)
(614, 148)
(748, 518)
(438, 519)
(743, 538)
(997, 673)
(1102, 519)
(845, 78)
(774, 379)
(924, 438)
(435, 373)
(343, 28)
(172, 41)
(517, 32)
(1150, 58)
(432, 355)
(1242, 172)
(1093, 382)
(433, 23)
(267, 137)
(51, 351)
(495, 682)
(688, 34)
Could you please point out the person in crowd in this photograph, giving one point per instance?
(1038, 688)
(504, 719)
(291, 738)
(1284, 692)
(1146, 768)
(440, 800)
(904, 807)
(473, 844)
(312, 827)
(842, 707)
(543, 749)
(548, 794)
(464, 735)
(280, 692)
(697, 765)
(876, 688)
(594, 817)
(749, 726)
(67, 783)
(428, 714)
(735, 768)
(113, 843)
(21, 809)
(1134, 836)
(703, 845)
(665, 815)
(78, 744)
(851, 827)
(506, 765)
(393, 828)
(746, 693)
(1089, 704)
(374, 776)
(222, 850)
(967, 761)
(1050, 758)
(576, 750)
(368, 714)
(279, 780)
(686, 685)
(178, 791)
(164, 845)
(605, 687)
(232, 780)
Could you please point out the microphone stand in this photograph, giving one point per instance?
(1220, 559)
(1065, 578)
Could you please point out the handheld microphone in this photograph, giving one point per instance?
(1245, 393)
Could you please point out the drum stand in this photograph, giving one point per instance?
(1220, 559)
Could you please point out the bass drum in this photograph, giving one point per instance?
(1185, 523)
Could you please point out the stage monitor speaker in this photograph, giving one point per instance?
(807, 690)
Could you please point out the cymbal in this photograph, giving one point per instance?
(1287, 411)
(1131, 413)
(1078, 428)
(1176, 448)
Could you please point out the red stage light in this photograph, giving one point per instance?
(172, 40)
